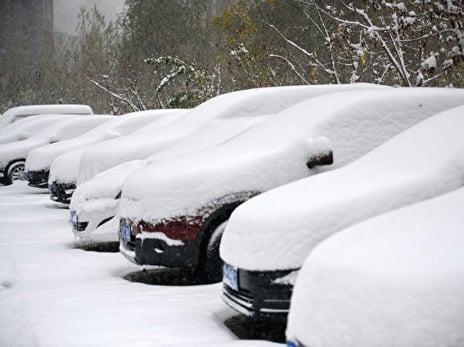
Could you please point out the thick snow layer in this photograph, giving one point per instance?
(394, 280)
(16, 113)
(418, 164)
(41, 158)
(52, 294)
(275, 151)
(245, 103)
(58, 131)
(27, 127)
(65, 168)
(66, 165)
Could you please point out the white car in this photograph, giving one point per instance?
(268, 238)
(13, 114)
(13, 154)
(27, 127)
(394, 280)
(211, 123)
(173, 213)
(39, 160)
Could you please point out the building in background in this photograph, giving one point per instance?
(26, 33)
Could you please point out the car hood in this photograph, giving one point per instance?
(65, 167)
(105, 186)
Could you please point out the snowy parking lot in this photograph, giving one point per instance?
(53, 294)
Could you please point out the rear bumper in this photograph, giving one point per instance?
(62, 192)
(258, 297)
(38, 179)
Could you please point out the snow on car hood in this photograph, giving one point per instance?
(41, 158)
(67, 165)
(59, 131)
(240, 104)
(399, 276)
(275, 152)
(279, 229)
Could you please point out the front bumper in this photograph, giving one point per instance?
(147, 249)
(38, 179)
(61, 192)
(258, 296)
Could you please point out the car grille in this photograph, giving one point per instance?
(258, 297)
(38, 178)
(61, 192)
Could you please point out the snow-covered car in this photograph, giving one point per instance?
(13, 154)
(393, 280)
(27, 127)
(65, 168)
(244, 103)
(15, 113)
(268, 238)
(39, 160)
(174, 217)
(97, 202)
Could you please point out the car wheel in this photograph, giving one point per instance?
(210, 268)
(14, 172)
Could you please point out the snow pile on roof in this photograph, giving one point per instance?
(394, 280)
(59, 131)
(42, 158)
(275, 151)
(240, 104)
(15, 113)
(418, 164)
(27, 127)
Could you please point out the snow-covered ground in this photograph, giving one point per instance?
(52, 294)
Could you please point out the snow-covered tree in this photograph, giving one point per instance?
(408, 43)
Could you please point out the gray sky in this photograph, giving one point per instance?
(66, 11)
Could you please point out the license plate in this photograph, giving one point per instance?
(125, 232)
(73, 217)
(230, 276)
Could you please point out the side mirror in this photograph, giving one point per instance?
(320, 152)
(320, 159)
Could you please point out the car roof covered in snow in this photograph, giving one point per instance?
(418, 164)
(24, 128)
(276, 151)
(19, 112)
(399, 276)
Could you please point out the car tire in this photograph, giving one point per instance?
(210, 267)
(14, 172)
